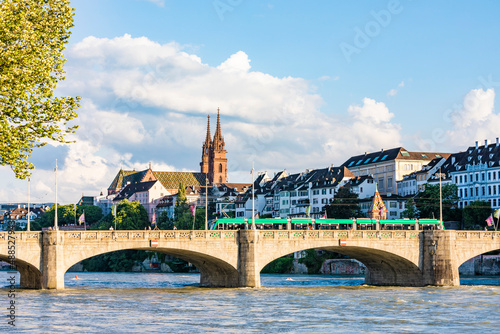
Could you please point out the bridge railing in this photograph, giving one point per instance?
(148, 235)
(18, 235)
(337, 234)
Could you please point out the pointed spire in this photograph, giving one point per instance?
(218, 139)
(208, 140)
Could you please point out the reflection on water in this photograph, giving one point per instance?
(174, 303)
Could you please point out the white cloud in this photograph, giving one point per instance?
(475, 120)
(392, 92)
(147, 102)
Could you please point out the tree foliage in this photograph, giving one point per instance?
(475, 214)
(410, 210)
(344, 206)
(427, 202)
(33, 34)
(129, 216)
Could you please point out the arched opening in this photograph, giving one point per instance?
(214, 272)
(30, 276)
(220, 168)
(382, 267)
(483, 269)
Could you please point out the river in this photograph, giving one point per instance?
(174, 303)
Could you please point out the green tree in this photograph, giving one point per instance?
(427, 202)
(181, 195)
(410, 210)
(475, 214)
(33, 34)
(93, 213)
(65, 216)
(131, 216)
(345, 205)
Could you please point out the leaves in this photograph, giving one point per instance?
(33, 34)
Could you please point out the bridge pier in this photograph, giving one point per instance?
(438, 259)
(53, 260)
(30, 278)
(249, 273)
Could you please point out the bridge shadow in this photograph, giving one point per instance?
(214, 272)
(31, 277)
(382, 268)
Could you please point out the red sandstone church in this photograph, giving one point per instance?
(213, 167)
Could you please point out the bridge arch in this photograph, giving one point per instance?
(215, 272)
(31, 277)
(384, 267)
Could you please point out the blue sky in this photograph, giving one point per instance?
(300, 84)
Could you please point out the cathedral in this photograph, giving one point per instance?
(213, 156)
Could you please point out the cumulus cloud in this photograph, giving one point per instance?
(475, 119)
(147, 102)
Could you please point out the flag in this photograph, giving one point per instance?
(153, 219)
(193, 209)
(324, 216)
(497, 214)
(308, 210)
(82, 218)
(381, 212)
(489, 220)
(257, 215)
(113, 210)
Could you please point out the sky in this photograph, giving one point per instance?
(299, 84)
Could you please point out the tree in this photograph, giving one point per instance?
(475, 214)
(181, 195)
(92, 213)
(65, 216)
(33, 34)
(344, 206)
(411, 210)
(427, 202)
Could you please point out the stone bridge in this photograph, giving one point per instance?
(227, 258)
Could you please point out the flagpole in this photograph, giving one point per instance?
(84, 223)
(55, 214)
(206, 202)
(28, 227)
(253, 198)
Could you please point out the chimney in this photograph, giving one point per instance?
(497, 142)
(485, 143)
(476, 144)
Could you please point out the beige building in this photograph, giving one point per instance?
(389, 166)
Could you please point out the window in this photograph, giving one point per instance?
(220, 168)
(393, 205)
(389, 183)
(489, 176)
(489, 190)
(460, 178)
(384, 157)
(381, 183)
(456, 179)
(352, 162)
(477, 177)
(367, 160)
(393, 213)
(465, 178)
(357, 163)
(315, 201)
(465, 192)
(375, 159)
(323, 191)
(405, 154)
(482, 176)
(483, 191)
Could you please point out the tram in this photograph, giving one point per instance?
(327, 224)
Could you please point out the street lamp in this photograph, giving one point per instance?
(206, 202)
(440, 198)
(55, 214)
(253, 198)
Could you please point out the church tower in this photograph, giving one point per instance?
(205, 153)
(213, 158)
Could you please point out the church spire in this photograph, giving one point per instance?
(218, 139)
(208, 141)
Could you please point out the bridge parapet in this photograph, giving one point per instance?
(147, 235)
(337, 234)
(18, 235)
(477, 235)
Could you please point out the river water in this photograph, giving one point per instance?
(174, 303)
